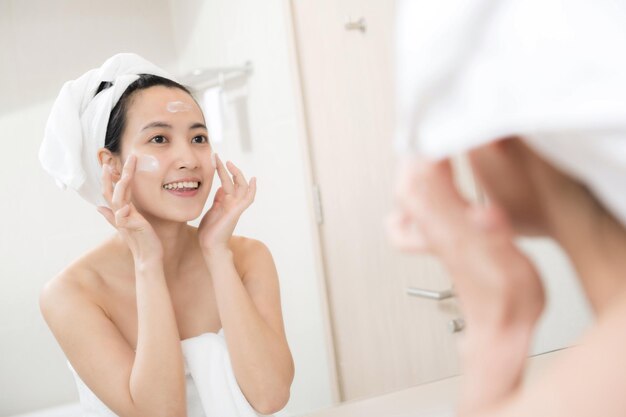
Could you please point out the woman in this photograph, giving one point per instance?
(543, 78)
(120, 311)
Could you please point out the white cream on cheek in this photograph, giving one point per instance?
(147, 163)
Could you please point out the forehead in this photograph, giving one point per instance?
(151, 104)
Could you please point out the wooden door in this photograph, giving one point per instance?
(384, 339)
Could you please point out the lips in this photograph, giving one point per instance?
(183, 184)
(183, 187)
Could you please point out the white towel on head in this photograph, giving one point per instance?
(77, 124)
(551, 71)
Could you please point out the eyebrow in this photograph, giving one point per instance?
(168, 126)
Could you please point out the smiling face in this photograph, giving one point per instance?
(175, 167)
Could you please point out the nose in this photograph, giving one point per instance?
(185, 156)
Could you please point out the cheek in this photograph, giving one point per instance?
(148, 174)
(147, 163)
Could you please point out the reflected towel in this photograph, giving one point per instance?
(77, 124)
(551, 71)
(212, 390)
(208, 361)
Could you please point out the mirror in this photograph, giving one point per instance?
(44, 44)
(266, 123)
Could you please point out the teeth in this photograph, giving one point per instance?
(180, 185)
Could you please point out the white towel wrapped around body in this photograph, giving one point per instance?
(550, 71)
(212, 390)
(77, 124)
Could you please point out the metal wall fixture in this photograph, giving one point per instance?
(430, 294)
(356, 24)
(205, 78)
(456, 325)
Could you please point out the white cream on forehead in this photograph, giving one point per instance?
(147, 163)
(178, 106)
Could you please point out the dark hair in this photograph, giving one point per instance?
(117, 119)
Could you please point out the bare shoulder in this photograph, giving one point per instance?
(245, 246)
(79, 283)
(67, 291)
(250, 254)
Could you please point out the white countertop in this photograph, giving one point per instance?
(435, 399)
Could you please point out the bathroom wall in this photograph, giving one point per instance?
(43, 44)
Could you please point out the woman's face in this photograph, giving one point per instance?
(165, 129)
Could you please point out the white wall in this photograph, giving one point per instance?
(228, 33)
(43, 44)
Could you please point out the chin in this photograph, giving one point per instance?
(182, 215)
(172, 213)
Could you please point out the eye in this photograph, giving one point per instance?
(200, 139)
(158, 139)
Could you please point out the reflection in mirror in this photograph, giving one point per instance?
(45, 44)
(297, 99)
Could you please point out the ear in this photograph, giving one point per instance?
(105, 156)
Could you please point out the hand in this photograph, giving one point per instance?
(498, 288)
(122, 214)
(231, 200)
(494, 280)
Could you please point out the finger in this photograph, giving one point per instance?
(219, 195)
(107, 183)
(403, 235)
(121, 215)
(227, 184)
(129, 169)
(121, 193)
(238, 177)
(251, 192)
(433, 182)
(428, 193)
(108, 214)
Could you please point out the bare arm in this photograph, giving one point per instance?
(249, 308)
(149, 382)
(248, 304)
(588, 381)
